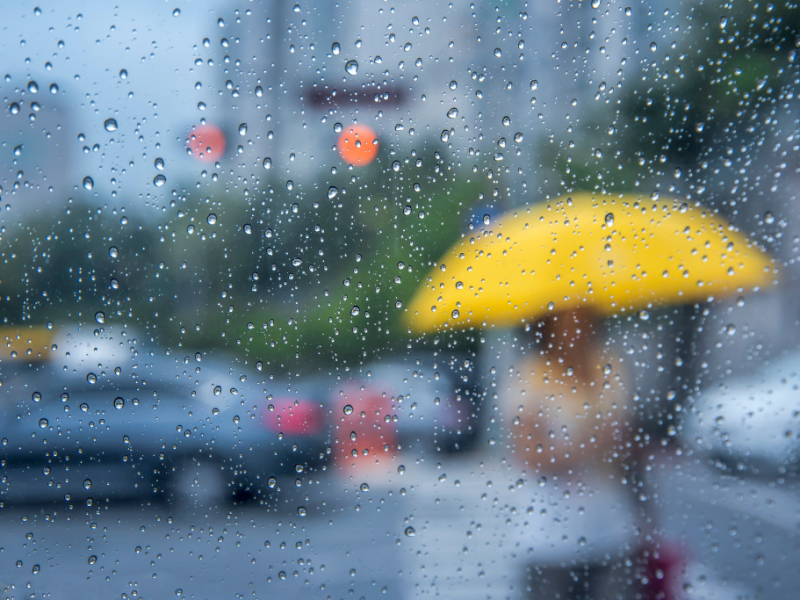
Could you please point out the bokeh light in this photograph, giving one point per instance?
(358, 145)
(206, 142)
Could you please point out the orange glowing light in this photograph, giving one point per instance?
(358, 145)
(206, 142)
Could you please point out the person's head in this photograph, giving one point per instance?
(565, 336)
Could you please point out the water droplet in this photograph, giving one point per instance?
(610, 219)
(351, 66)
(396, 166)
(33, 87)
(110, 125)
(87, 483)
(452, 113)
(92, 559)
(723, 22)
(159, 164)
(217, 390)
(364, 487)
(498, 53)
(190, 229)
(159, 180)
(769, 218)
(455, 314)
(100, 316)
(445, 135)
(267, 163)
(13, 108)
(119, 403)
(348, 409)
(113, 252)
(644, 315)
(296, 262)
(459, 285)
(301, 511)
(332, 192)
(248, 229)
(407, 209)
(243, 129)
(355, 310)
(84, 407)
(53, 88)
(43, 423)
(36, 396)
(653, 47)
(699, 127)
(123, 74)
(730, 329)
(410, 532)
(336, 48)
(211, 218)
(88, 182)
(272, 482)
(289, 185)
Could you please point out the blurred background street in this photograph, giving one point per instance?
(354, 300)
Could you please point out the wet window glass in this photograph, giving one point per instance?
(361, 299)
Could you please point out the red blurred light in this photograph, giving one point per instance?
(206, 142)
(303, 419)
(358, 145)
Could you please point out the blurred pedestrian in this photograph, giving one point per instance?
(567, 415)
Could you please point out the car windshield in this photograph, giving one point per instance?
(370, 299)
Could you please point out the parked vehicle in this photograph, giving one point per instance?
(750, 424)
(434, 403)
(104, 412)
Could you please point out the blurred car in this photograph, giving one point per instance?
(101, 413)
(750, 424)
(433, 402)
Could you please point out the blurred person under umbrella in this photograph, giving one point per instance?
(562, 265)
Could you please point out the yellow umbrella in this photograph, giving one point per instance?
(610, 254)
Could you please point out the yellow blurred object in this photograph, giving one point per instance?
(609, 254)
(25, 343)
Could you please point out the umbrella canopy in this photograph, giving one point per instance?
(609, 254)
